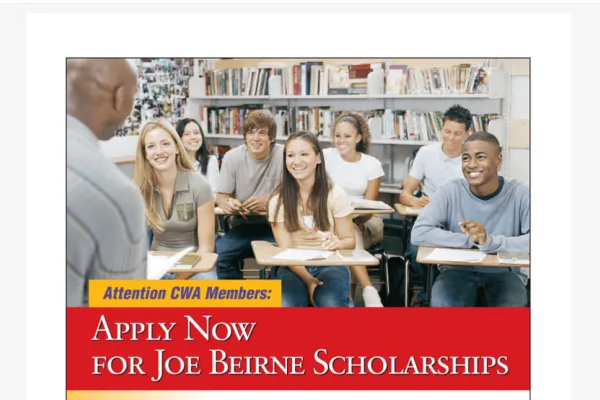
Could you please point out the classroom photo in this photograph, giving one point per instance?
(397, 182)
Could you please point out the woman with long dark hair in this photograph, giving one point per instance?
(192, 136)
(308, 211)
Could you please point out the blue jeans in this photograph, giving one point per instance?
(334, 292)
(460, 288)
(235, 245)
(200, 276)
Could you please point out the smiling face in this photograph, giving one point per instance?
(346, 138)
(161, 150)
(191, 137)
(454, 134)
(480, 163)
(258, 143)
(301, 159)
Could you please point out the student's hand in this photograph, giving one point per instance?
(332, 242)
(475, 230)
(422, 201)
(256, 204)
(312, 285)
(232, 206)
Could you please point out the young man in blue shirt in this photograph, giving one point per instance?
(487, 212)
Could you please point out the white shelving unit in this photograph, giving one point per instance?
(496, 101)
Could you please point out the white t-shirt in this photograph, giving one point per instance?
(212, 172)
(434, 168)
(353, 177)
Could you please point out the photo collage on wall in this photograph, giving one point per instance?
(162, 91)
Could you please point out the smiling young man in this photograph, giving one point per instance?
(485, 211)
(434, 165)
(249, 174)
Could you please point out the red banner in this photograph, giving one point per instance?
(298, 349)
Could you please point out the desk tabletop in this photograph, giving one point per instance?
(358, 212)
(265, 251)
(490, 260)
(205, 264)
(220, 211)
(407, 211)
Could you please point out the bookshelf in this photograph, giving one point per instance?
(496, 100)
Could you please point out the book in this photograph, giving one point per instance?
(513, 258)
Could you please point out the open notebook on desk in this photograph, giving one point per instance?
(159, 265)
(370, 205)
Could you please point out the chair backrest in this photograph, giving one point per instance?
(411, 161)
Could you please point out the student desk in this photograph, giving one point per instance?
(490, 260)
(358, 212)
(265, 251)
(220, 211)
(207, 261)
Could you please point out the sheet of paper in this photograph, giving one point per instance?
(513, 258)
(304, 255)
(415, 210)
(158, 266)
(456, 255)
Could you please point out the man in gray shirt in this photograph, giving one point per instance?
(106, 229)
(486, 212)
(249, 174)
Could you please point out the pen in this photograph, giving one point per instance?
(239, 212)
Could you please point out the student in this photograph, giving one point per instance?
(193, 140)
(484, 211)
(359, 175)
(434, 165)
(249, 174)
(106, 235)
(308, 211)
(179, 204)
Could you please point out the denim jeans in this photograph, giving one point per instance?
(334, 292)
(200, 276)
(235, 245)
(460, 288)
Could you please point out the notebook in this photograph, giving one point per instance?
(513, 258)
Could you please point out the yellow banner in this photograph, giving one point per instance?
(185, 293)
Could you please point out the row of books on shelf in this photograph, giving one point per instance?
(383, 123)
(314, 78)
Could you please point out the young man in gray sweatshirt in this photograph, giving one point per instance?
(485, 212)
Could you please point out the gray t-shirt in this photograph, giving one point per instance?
(244, 177)
(434, 168)
(192, 190)
(106, 224)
